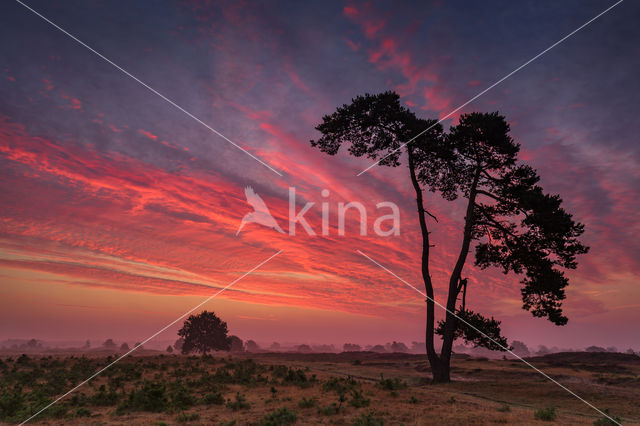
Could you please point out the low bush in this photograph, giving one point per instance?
(547, 414)
(339, 384)
(604, 421)
(240, 403)
(369, 419)
(391, 384)
(307, 403)
(187, 417)
(213, 398)
(282, 416)
(102, 398)
(358, 400)
(329, 410)
(152, 396)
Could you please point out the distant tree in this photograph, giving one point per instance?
(418, 347)
(399, 347)
(203, 333)
(124, 347)
(509, 221)
(33, 344)
(460, 349)
(303, 348)
(323, 348)
(177, 345)
(378, 348)
(595, 349)
(236, 344)
(612, 349)
(169, 349)
(87, 344)
(275, 346)
(109, 344)
(543, 350)
(630, 351)
(519, 348)
(138, 345)
(251, 346)
(351, 347)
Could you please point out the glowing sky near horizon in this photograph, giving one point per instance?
(119, 212)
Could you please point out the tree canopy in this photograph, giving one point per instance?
(203, 333)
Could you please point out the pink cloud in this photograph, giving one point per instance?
(148, 134)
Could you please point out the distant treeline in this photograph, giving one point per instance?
(238, 346)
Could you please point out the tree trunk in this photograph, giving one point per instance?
(454, 288)
(440, 372)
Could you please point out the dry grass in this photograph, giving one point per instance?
(482, 391)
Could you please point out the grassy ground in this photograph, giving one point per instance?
(348, 388)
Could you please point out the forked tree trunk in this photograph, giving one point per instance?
(440, 370)
(451, 321)
(441, 365)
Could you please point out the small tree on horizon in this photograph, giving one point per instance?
(351, 347)
(177, 345)
(124, 347)
(203, 333)
(251, 346)
(520, 348)
(509, 220)
(275, 346)
(236, 344)
(109, 344)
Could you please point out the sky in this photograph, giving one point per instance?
(119, 211)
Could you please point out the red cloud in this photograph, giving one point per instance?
(148, 134)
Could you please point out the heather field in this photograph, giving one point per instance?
(352, 388)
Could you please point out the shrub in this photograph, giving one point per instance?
(185, 417)
(504, 408)
(603, 421)
(547, 414)
(391, 384)
(23, 360)
(296, 376)
(151, 397)
(57, 411)
(180, 396)
(239, 404)
(307, 403)
(369, 419)
(413, 400)
(83, 412)
(11, 403)
(329, 410)
(339, 384)
(79, 399)
(213, 398)
(102, 398)
(358, 400)
(281, 416)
